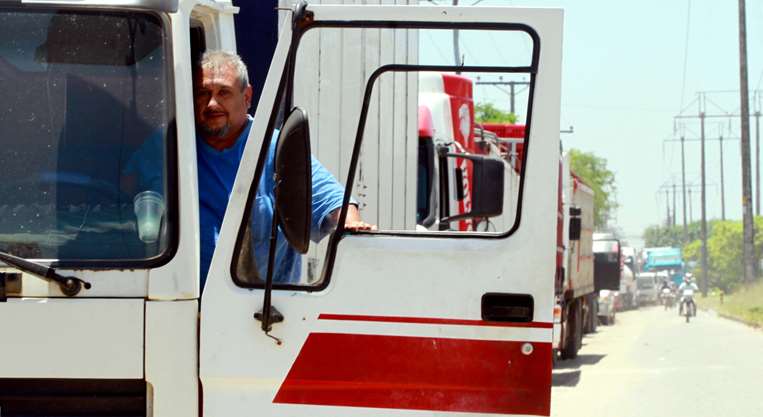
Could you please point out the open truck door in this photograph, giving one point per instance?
(396, 319)
(608, 264)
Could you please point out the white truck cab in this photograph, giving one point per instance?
(100, 299)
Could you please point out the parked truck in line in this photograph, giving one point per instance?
(607, 274)
(467, 181)
(575, 293)
(102, 318)
(649, 284)
(666, 259)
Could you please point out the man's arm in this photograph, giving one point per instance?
(352, 222)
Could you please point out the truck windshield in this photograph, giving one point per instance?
(85, 124)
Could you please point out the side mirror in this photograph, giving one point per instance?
(575, 227)
(487, 192)
(293, 171)
(607, 267)
(575, 223)
(486, 188)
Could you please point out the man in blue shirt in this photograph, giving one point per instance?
(222, 96)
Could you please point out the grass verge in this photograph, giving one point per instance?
(745, 304)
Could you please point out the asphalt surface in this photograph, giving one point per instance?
(652, 363)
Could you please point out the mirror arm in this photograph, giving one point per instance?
(469, 156)
(269, 314)
(458, 217)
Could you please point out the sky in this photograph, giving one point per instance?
(623, 84)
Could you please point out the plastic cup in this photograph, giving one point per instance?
(149, 209)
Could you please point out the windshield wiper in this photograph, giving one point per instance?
(70, 286)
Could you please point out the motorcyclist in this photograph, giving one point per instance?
(666, 293)
(687, 289)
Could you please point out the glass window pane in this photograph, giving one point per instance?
(85, 125)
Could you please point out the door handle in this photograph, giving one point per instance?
(516, 308)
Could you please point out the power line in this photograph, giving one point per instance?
(512, 87)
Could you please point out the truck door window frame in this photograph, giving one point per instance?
(284, 95)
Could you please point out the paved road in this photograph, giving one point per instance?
(652, 363)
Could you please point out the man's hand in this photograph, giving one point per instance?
(353, 221)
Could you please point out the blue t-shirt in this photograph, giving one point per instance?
(217, 171)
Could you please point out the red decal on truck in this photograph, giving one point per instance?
(420, 373)
(432, 320)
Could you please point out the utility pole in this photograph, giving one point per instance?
(757, 161)
(512, 90)
(703, 193)
(691, 218)
(683, 141)
(456, 45)
(673, 218)
(683, 187)
(667, 207)
(749, 232)
(723, 195)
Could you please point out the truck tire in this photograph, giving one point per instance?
(591, 316)
(554, 357)
(573, 332)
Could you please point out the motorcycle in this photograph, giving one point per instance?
(687, 307)
(667, 297)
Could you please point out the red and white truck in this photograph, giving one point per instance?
(99, 318)
(451, 146)
(575, 292)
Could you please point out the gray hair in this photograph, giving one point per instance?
(218, 59)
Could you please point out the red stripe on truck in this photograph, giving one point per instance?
(420, 373)
(432, 320)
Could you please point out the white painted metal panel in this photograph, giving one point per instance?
(385, 174)
(106, 283)
(401, 143)
(172, 357)
(411, 134)
(332, 72)
(72, 338)
(367, 177)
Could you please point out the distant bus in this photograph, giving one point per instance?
(665, 259)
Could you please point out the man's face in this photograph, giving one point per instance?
(219, 101)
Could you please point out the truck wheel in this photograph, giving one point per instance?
(572, 335)
(554, 357)
(586, 317)
(591, 318)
